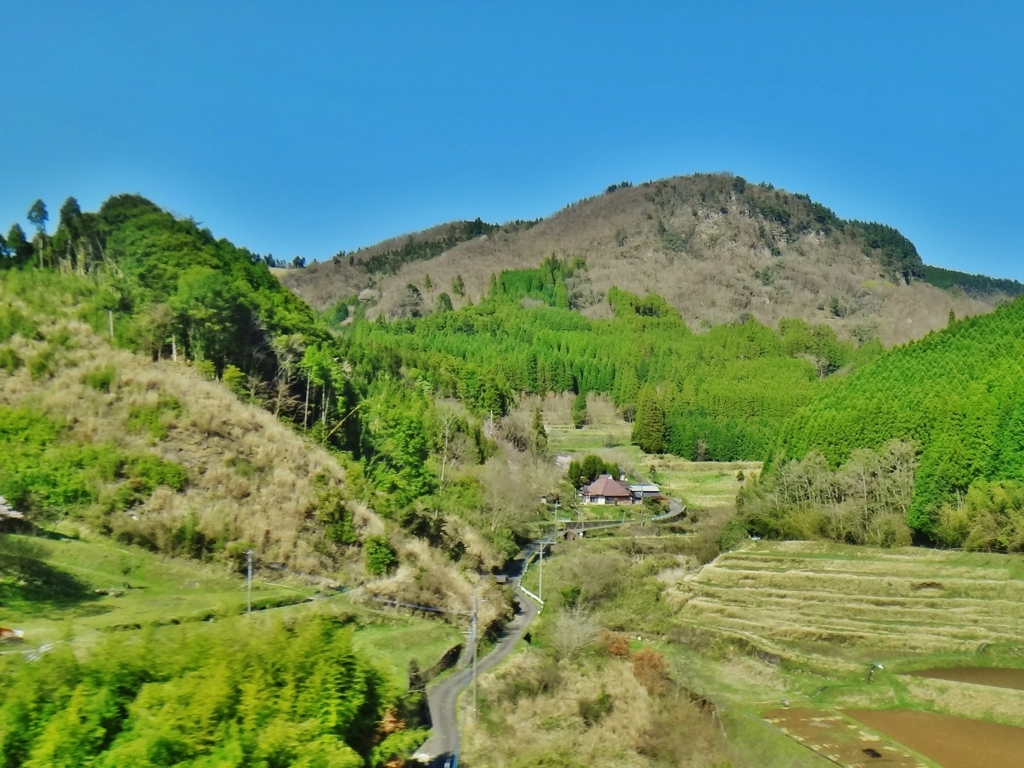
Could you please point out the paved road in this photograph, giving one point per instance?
(443, 744)
(442, 747)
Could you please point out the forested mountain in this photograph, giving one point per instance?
(717, 248)
(416, 408)
(956, 395)
(160, 387)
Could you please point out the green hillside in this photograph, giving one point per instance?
(957, 395)
(720, 395)
(168, 287)
(150, 661)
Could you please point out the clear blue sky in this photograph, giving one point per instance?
(306, 128)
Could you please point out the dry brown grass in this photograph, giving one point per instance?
(249, 476)
(532, 714)
(712, 281)
(829, 603)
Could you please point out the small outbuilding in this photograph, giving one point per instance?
(644, 491)
(7, 511)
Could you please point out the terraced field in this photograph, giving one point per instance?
(846, 606)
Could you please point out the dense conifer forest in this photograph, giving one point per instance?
(956, 395)
(720, 395)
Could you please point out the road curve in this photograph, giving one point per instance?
(443, 745)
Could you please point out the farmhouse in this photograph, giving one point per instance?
(606, 490)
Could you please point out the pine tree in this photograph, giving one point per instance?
(579, 410)
(649, 427)
(541, 434)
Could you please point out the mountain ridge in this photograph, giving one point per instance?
(718, 248)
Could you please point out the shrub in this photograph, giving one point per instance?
(616, 645)
(14, 322)
(733, 534)
(651, 671)
(234, 379)
(40, 365)
(9, 360)
(593, 710)
(336, 519)
(153, 418)
(575, 630)
(380, 556)
(101, 379)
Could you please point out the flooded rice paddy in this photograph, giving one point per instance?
(833, 736)
(998, 677)
(952, 742)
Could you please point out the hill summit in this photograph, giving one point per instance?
(717, 248)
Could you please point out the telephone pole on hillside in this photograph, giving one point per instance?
(248, 584)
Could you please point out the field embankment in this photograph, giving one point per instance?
(841, 605)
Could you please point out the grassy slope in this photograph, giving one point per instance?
(156, 591)
(250, 476)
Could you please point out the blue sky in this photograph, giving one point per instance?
(307, 128)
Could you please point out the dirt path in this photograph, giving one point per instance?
(442, 748)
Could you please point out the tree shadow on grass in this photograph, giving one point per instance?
(27, 578)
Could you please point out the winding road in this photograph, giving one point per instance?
(442, 748)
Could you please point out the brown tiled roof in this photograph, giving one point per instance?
(606, 486)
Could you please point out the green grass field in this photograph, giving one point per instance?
(48, 590)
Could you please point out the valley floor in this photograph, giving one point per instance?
(809, 654)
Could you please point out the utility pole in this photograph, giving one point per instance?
(540, 573)
(248, 579)
(110, 318)
(474, 641)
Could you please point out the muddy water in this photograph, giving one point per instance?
(998, 677)
(952, 742)
(832, 736)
